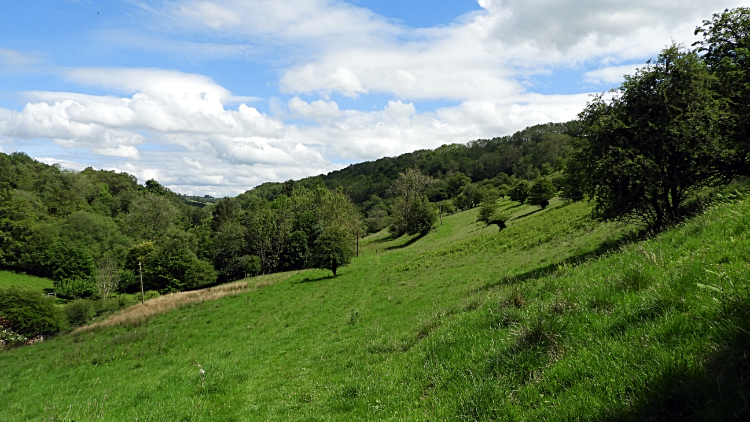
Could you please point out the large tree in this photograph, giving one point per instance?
(726, 50)
(656, 141)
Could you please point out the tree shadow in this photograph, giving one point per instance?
(313, 279)
(550, 269)
(527, 214)
(407, 243)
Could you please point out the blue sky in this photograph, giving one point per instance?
(216, 96)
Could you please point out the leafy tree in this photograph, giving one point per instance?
(653, 144)
(488, 209)
(173, 266)
(519, 192)
(151, 216)
(422, 217)
(470, 197)
(541, 191)
(333, 249)
(296, 252)
(726, 50)
(408, 188)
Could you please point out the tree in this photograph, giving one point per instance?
(151, 216)
(488, 208)
(726, 50)
(656, 142)
(333, 249)
(519, 192)
(408, 188)
(107, 276)
(541, 191)
(422, 217)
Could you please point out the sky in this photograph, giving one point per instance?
(213, 97)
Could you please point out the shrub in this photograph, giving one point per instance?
(80, 311)
(71, 288)
(541, 191)
(29, 313)
(519, 192)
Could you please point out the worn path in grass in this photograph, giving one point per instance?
(542, 321)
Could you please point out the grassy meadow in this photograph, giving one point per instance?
(553, 318)
(12, 278)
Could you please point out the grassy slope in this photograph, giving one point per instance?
(465, 323)
(12, 278)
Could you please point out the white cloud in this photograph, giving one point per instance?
(611, 74)
(176, 127)
(15, 59)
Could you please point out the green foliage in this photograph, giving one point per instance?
(655, 143)
(28, 313)
(80, 312)
(469, 197)
(488, 209)
(519, 192)
(74, 288)
(173, 265)
(541, 191)
(726, 50)
(333, 249)
(527, 154)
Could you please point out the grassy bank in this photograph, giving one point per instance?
(548, 319)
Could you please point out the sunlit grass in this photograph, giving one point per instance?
(550, 319)
(12, 278)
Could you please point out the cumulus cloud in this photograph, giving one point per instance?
(177, 127)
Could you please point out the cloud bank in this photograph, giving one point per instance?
(197, 137)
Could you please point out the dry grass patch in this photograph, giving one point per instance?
(166, 303)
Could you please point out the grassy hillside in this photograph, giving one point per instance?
(545, 320)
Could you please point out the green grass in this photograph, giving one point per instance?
(552, 318)
(12, 278)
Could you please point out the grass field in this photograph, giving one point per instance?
(553, 318)
(11, 278)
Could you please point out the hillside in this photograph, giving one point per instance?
(548, 319)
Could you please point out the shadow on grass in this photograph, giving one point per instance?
(527, 214)
(550, 269)
(313, 279)
(718, 391)
(408, 243)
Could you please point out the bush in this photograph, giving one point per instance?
(487, 210)
(80, 311)
(377, 219)
(72, 288)
(29, 313)
(151, 294)
(541, 191)
(519, 192)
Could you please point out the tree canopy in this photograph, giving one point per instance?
(657, 140)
